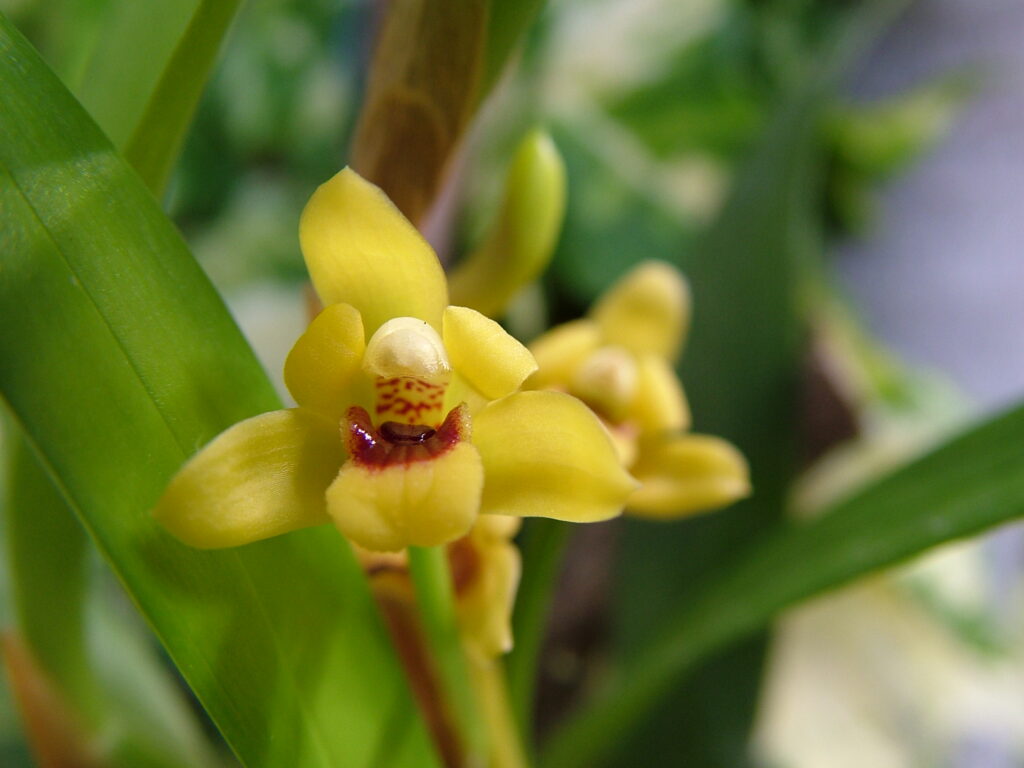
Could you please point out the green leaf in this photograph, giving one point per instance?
(506, 24)
(740, 369)
(46, 552)
(543, 543)
(971, 483)
(139, 69)
(160, 131)
(119, 361)
(435, 603)
(102, 666)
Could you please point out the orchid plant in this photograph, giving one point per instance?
(386, 569)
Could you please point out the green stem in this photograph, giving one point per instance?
(543, 544)
(436, 603)
(506, 748)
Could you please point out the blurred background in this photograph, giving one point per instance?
(883, 143)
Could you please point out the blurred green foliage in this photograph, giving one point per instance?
(725, 155)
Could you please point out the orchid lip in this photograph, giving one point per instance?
(395, 443)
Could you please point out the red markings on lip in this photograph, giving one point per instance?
(400, 407)
(409, 398)
(394, 443)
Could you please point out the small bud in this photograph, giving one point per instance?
(522, 239)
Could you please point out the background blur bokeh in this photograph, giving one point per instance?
(915, 315)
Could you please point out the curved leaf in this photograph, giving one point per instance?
(119, 360)
(973, 482)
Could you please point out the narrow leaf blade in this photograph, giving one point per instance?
(119, 361)
(971, 483)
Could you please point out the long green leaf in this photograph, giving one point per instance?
(972, 483)
(139, 69)
(543, 544)
(119, 360)
(741, 371)
(160, 131)
(105, 669)
(133, 708)
(46, 551)
(507, 22)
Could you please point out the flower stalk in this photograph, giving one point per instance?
(435, 599)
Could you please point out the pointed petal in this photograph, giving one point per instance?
(361, 250)
(546, 454)
(421, 504)
(660, 404)
(685, 474)
(262, 477)
(562, 350)
(485, 603)
(323, 369)
(483, 353)
(647, 311)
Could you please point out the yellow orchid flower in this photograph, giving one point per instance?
(409, 422)
(619, 360)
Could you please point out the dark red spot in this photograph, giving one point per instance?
(395, 443)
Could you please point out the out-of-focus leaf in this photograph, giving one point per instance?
(422, 91)
(881, 138)
(119, 361)
(159, 132)
(106, 674)
(506, 24)
(874, 141)
(65, 31)
(543, 544)
(46, 551)
(740, 369)
(971, 483)
(706, 100)
(138, 68)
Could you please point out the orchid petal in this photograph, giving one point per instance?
(262, 477)
(361, 250)
(422, 503)
(647, 311)
(546, 454)
(562, 350)
(660, 403)
(484, 354)
(686, 474)
(323, 369)
(485, 604)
